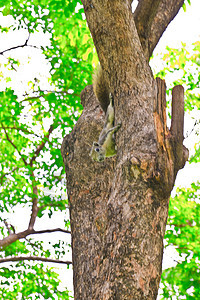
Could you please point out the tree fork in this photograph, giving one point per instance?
(119, 208)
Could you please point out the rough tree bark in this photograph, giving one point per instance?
(119, 208)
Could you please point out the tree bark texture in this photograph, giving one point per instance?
(152, 18)
(119, 208)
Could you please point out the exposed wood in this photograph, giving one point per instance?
(172, 153)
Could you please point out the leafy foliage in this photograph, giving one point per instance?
(183, 233)
(183, 65)
(35, 116)
(30, 281)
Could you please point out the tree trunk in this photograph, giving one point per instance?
(119, 208)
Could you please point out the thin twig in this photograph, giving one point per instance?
(41, 146)
(45, 259)
(27, 131)
(19, 46)
(9, 140)
(8, 173)
(22, 129)
(47, 93)
(50, 231)
(7, 226)
(189, 133)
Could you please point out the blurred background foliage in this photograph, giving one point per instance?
(37, 109)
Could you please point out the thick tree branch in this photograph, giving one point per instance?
(23, 234)
(144, 16)
(177, 124)
(14, 237)
(152, 18)
(170, 142)
(45, 259)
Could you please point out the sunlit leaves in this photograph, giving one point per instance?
(183, 65)
(184, 216)
(34, 281)
(182, 281)
(33, 124)
(196, 157)
(184, 4)
(183, 232)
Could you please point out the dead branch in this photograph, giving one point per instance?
(177, 112)
(8, 227)
(47, 94)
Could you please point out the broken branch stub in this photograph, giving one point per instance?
(172, 154)
(177, 112)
